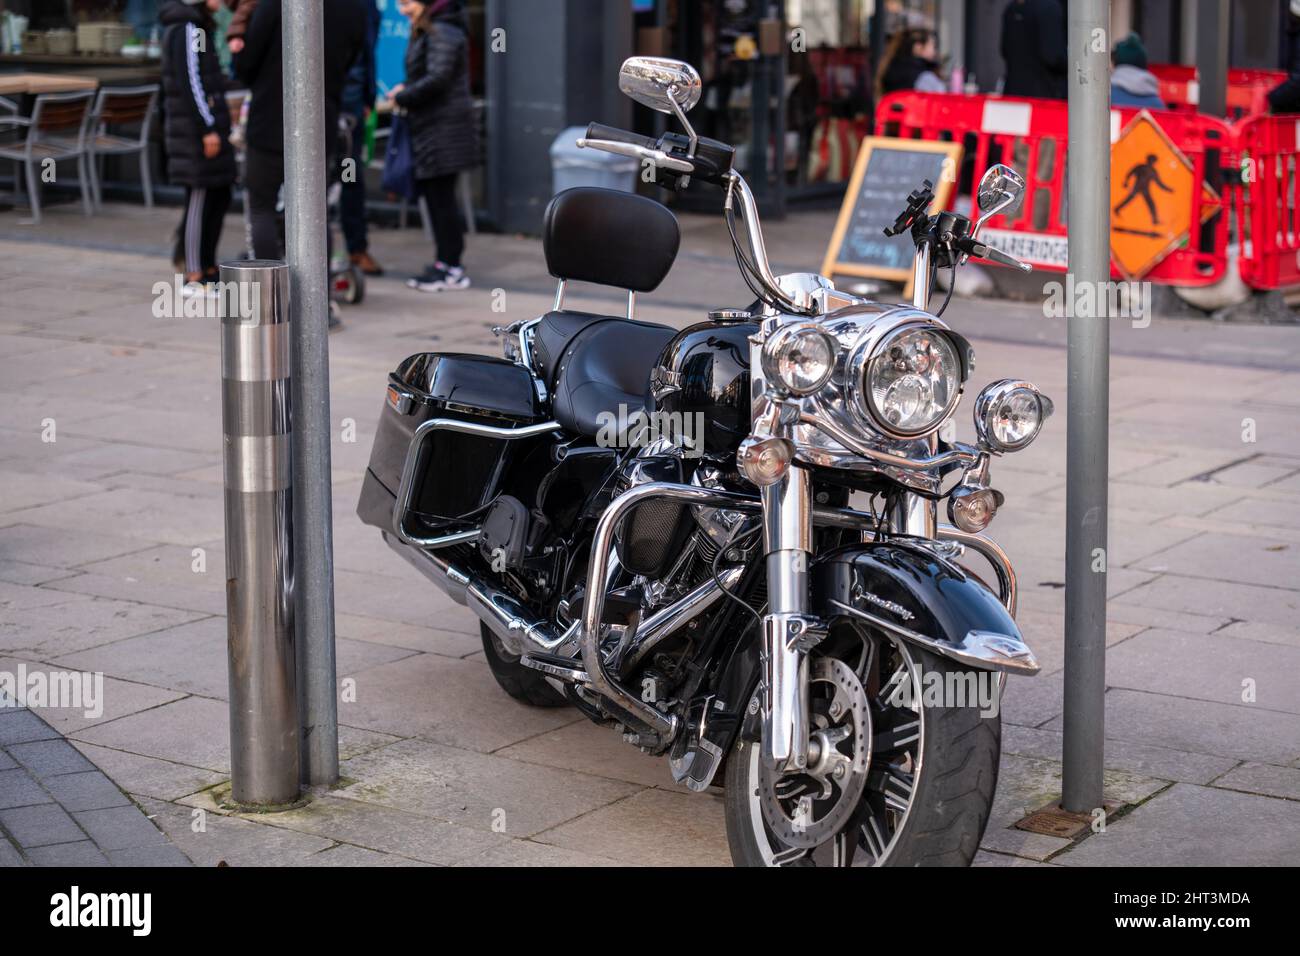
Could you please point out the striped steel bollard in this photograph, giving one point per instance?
(255, 411)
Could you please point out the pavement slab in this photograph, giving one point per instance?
(1148, 760)
(149, 776)
(476, 790)
(454, 702)
(1263, 779)
(74, 623)
(1204, 727)
(651, 828)
(1232, 829)
(1209, 667)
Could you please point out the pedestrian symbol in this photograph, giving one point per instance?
(1151, 187)
(1143, 176)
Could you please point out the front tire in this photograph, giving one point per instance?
(949, 794)
(522, 683)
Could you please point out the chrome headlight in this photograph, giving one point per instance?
(911, 381)
(1009, 414)
(799, 358)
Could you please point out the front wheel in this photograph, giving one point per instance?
(901, 771)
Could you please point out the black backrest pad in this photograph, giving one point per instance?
(609, 237)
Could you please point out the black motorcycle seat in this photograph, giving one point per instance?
(605, 368)
(552, 336)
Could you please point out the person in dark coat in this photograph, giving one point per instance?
(260, 66)
(196, 127)
(1033, 44)
(444, 140)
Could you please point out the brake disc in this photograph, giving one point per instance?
(808, 808)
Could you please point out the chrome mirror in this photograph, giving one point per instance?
(1001, 189)
(668, 86)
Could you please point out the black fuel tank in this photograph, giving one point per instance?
(708, 375)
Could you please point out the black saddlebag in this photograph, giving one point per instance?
(455, 473)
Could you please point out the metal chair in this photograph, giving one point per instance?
(56, 131)
(116, 108)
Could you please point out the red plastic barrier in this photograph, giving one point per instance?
(1031, 135)
(1246, 95)
(1267, 218)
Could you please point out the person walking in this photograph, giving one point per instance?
(259, 65)
(1033, 44)
(1131, 83)
(358, 102)
(196, 127)
(435, 98)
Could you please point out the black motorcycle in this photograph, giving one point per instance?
(656, 526)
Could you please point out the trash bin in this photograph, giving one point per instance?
(572, 166)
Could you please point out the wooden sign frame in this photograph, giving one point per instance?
(831, 265)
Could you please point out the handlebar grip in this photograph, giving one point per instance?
(616, 135)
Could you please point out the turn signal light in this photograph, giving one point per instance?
(971, 509)
(764, 461)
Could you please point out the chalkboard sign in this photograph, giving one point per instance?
(887, 169)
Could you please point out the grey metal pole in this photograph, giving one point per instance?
(305, 232)
(1087, 428)
(1212, 27)
(255, 412)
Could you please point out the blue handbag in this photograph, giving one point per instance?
(399, 164)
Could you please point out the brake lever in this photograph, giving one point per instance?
(657, 157)
(982, 250)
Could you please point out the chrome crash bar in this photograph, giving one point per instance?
(601, 681)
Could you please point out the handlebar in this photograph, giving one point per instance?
(612, 134)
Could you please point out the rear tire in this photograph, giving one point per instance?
(522, 683)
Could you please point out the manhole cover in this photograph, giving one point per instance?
(1052, 820)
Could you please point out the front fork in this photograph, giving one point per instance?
(787, 542)
(789, 630)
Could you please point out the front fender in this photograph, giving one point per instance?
(907, 590)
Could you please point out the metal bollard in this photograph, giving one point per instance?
(255, 412)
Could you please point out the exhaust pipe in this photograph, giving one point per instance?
(518, 628)
(523, 633)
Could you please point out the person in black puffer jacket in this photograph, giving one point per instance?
(444, 140)
(196, 127)
(260, 65)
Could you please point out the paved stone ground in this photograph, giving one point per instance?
(111, 561)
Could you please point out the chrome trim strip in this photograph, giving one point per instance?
(255, 353)
(982, 649)
(255, 463)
